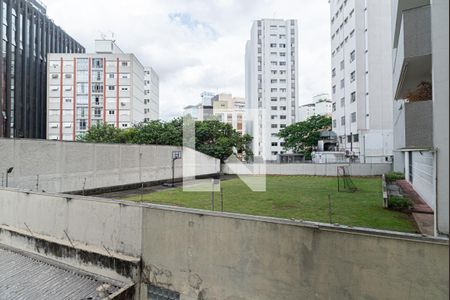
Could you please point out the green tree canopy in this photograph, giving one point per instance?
(303, 136)
(213, 138)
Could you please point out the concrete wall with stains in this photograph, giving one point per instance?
(51, 166)
(91, 222)
(307, 169)
(230, 257)
(207, 255)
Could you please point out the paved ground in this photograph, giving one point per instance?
(147, 190)
(422, 213)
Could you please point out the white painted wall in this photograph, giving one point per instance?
(440, 45)
(364, 27)
(64, 166)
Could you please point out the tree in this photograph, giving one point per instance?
(303, 136)
(213, 138)
(106, 134)
(220, 140)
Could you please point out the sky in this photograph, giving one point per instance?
(199, 45)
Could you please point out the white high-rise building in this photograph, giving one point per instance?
(321, 106)
(362, 78)
(106, 87)
(151, 93)
(271, 84)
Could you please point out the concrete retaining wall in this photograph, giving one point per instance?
(86, 221)
(308, 169)
(67, 167)
(232, 257)
(205, 255)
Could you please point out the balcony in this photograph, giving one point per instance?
(412, 57)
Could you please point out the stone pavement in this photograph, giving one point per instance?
(421, 212)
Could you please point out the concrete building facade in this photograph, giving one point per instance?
(151, 93)
(420, 56)
(271, 84)
(230, 110)
(321, 106)
(92, 89)
(28, 34)
(362, 78)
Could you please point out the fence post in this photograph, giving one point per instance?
(330, 209)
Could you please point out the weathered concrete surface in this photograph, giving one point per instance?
(208, 256)
(87, 221)
(307, 169)
(67, 167)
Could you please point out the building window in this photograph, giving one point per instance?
(82, 125)
(274, 144)
(353, 76)
(342, 65)
(356, 138)
(342, 83)
(273, 45)
(334, 106)
(334, 124)
(342, 121)
(111, 87)
(112, 112)
(274, 108)
(353, 117)
(97, 63)
(334, 89)
(333, 72)
(342, 102)
(353, 97)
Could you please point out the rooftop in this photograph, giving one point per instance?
(28, 276)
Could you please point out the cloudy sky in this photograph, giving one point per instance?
(198, 45)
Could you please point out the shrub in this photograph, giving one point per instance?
(401, 203)
(394, 176)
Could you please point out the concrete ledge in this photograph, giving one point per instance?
(83, 257)
(133, 186)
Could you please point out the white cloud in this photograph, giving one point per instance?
(198, 45)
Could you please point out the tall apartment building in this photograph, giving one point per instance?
(421, 124)
(362, 78)
(151, 92)
(271, 84)
(230, 110)
(321, 106)
(27, 36)
(90, 89)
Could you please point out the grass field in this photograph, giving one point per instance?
(297, 197)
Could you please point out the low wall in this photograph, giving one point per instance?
(307, 169)
(206, 255)
(68, 167)
(213, 256)
(95, 222)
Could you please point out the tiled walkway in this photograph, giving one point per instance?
(422, 213)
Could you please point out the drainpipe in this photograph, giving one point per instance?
(436, 195)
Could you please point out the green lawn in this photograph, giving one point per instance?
(297, 197)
